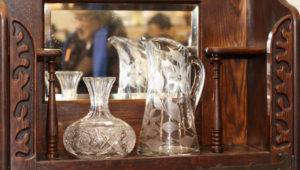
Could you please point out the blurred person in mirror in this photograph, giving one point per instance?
(158, 26)
(87, 50)
(54, 43)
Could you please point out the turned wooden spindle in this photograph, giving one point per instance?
(216, 54)
(216, 133)
(52, 129)
(52, 125)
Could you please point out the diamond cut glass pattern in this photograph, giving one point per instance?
(99, 134)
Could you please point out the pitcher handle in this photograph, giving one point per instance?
(198, 83)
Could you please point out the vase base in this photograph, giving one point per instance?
(169, 151)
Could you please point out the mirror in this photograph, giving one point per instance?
(82, 30)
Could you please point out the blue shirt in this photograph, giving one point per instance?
(100, 53)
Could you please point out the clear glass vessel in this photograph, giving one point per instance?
(68, 81)
(46, 78)
(99, 134)
(133, 65)
(168, 125)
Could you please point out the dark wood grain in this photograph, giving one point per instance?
(4, 88)
(258, 119)
(30, 13)
(253, 123)
(280, 58)
(232, 79)
(24, 17)
(246, 116)
(239, 155)
(47, 53)
(258, 29)
(52, 123)
(257, 128)
(234, 51)
(296, 62)
(216, 132)
(296, 52)
(22, 92)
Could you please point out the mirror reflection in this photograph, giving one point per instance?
(105, 39)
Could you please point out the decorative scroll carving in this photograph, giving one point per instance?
(280, 49)
(22, 93)
(284, 88)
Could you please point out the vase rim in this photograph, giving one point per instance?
(68, 72)
(99, 78)
(124, 40)
(180, 46)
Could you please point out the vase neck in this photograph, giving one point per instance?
(99, 90)
(99, 103)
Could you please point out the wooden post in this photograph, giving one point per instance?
(52, 129)
(52, 125)
(216, 133)
(216, 54)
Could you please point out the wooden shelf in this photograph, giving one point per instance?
(233, 155)
(234, 51)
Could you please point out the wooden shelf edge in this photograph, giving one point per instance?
(232, 51)
(186, 162)
(45, 53)
(240, 155)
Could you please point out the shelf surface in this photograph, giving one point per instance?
(234, 155)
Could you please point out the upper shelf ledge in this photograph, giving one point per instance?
(45, 53)
(234, 51)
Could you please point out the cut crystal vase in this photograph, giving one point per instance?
(99, 134)
(68, 81)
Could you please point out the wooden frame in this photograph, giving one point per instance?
(258, 91)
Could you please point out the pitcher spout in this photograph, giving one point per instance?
(132, 65)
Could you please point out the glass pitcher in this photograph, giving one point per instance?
(168, 125)
(132, 64)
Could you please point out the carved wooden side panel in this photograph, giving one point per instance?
(22, 102)
(280, 58)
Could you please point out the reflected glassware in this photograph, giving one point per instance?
(168, 125)
(46, 78)
(68, 81)
(99, 134)
(133, 65)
